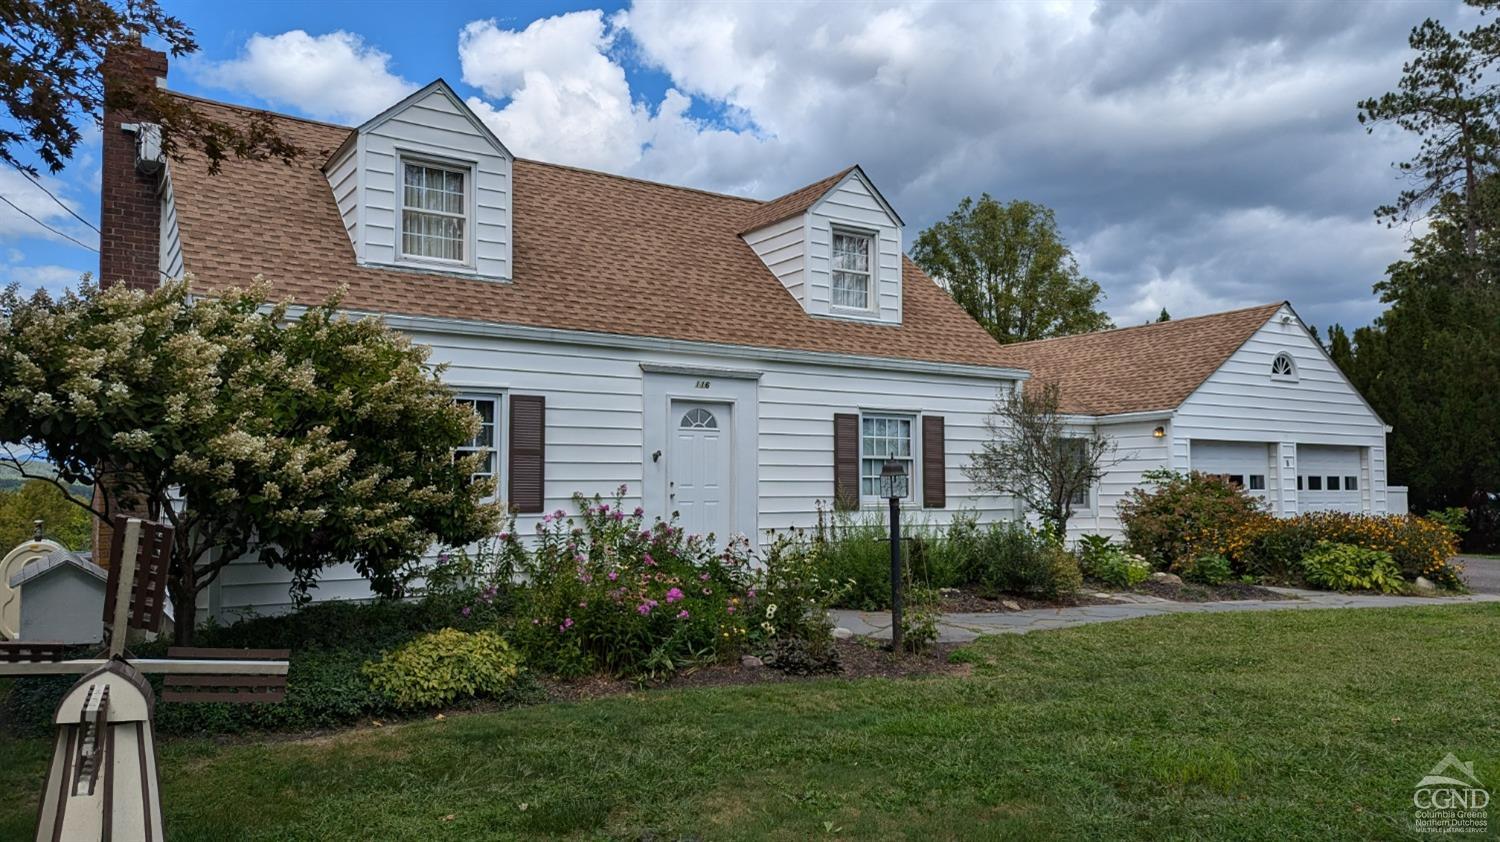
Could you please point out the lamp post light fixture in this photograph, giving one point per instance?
(893, 485)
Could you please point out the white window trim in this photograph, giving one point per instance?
(1284, 378)
(502, 438)
(872, 290)
(423, 160)
(913, 477)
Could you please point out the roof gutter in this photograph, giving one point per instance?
(527, 333)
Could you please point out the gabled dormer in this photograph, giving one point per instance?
(426, 186)
(836, 247)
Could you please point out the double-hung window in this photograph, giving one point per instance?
(883, 438)
(434, 212)
(1080, 498)
(485, 441)
(853, 276)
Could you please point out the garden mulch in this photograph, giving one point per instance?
(968, 601)
(1194, 592)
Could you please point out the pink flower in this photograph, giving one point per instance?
(583, 604)
(466, 611)
(674, 595)
(683, 614)
(504, 535)
(750, 593)
(617, 515)
(731, 609)
(703, 577)
(708, 591)
(613, 575)
(639, 511)
(650, 562)
(645, 608)
(567, 623)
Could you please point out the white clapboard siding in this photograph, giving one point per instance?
(852, 203)
(343, 179)
(170, 255)
(1136, 452)
(782, 247)
(595, 418)
(431, 126)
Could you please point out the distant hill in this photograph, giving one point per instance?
(11, 479)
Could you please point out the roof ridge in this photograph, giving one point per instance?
(637, 180)
(256, 110)
(250, 109)
(1168, 323)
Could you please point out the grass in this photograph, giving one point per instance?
(1256, 726)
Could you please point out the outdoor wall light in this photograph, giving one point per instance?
(1159, 432)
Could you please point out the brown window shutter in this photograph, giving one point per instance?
(528, 446)
(845, 461)
(934, 464)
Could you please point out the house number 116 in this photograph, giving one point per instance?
(701, 384)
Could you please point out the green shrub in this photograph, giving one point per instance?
(1274, 548)
(921, 609)
(1454, 518)
(329, 641)
(1207, 569)
(1010, 558)
(1343, 567)
(1184, 516)
(443, 667)
(796, 656)
(855, 548)
(1101, 559)
(605, 593)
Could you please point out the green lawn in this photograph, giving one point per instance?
(1307, 724)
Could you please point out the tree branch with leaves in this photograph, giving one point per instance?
(313, 440)
(1034, 453)
(54, 79)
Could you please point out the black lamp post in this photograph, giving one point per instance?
(893, 488)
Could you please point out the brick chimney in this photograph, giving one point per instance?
(130, 207)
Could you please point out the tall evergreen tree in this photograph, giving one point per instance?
(1007, 265)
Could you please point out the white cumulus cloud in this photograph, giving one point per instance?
(335, 76)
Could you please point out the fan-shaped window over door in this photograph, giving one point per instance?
(699, 419)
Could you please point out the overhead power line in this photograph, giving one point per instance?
(42, 187)
(48, 227)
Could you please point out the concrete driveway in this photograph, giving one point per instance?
(1482, 575)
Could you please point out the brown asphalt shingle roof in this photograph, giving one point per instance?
(792, 204)
(592, 252)
(1137, 369)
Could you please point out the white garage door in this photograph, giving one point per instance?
(1328, 478)
(1244, 464)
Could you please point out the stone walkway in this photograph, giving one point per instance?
(962, 628)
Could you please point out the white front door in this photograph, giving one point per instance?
(699, 468)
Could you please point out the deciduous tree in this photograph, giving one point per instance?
(314, 440)
(1031, 452)
(1007, 265)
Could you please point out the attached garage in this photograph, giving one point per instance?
(1329, 478)
(1246, 464)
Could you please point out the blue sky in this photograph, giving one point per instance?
(1199, 156)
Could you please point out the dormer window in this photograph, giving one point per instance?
(434, 212)
(852, 259)
(1282, 367)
